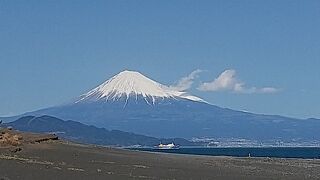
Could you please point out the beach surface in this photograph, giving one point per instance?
(56, 159)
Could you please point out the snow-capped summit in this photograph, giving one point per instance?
(133, 84)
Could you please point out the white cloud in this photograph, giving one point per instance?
(269, 90)
(185, 83)
(227, 81)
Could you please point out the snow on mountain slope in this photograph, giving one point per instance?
(128, 84)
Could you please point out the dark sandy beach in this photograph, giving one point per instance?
(63, 160)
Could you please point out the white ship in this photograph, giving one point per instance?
(167, 146)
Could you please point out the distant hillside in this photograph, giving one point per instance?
(79, 132)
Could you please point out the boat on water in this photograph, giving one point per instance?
(167, 146)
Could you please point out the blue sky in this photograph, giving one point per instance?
(52, 51)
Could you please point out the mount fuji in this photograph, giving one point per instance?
(131, 102)
(133, 86)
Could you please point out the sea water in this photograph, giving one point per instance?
(278, 152)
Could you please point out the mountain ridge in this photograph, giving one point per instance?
(76, 131)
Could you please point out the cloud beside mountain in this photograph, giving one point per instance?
(226, 81)
(185, 83)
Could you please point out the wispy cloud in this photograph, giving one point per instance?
(185, 83)
(8, 114)
(228, 81)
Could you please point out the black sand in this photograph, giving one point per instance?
(62, 160)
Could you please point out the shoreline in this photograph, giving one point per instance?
(243, 152)
(224, 156)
